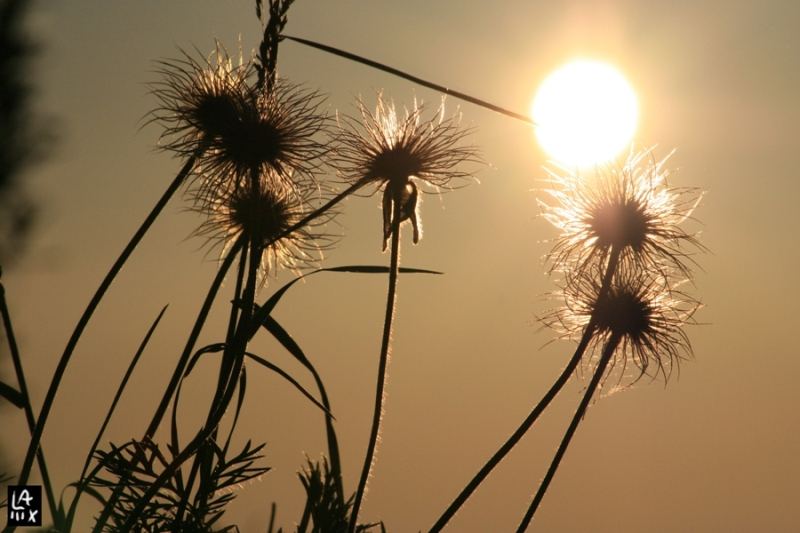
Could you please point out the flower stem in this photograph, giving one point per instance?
(537, 410)
(320, 211)
(89, 311)
(608, 351)
(382, 365)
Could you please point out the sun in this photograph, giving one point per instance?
(585, 112)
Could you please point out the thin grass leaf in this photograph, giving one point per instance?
(66, 525)
(210, 348)
(219, 347)
(239, 403)
(260, 315)
(378, 269)
(283, 336)
(12, 395)
(272, 514)
(113, 406)
(286, 340)
(290, 379)
(27, 407)
(63, 362)
(411, 78)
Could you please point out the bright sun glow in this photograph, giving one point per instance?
(585, 113)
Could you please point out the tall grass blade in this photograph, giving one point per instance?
(286, 340)
(239, 403)
(275, 368)
(12, 395)
(89, 311)
(178, 372)
(112, 408)
(265, 310)
(24, 396)
(411, 78)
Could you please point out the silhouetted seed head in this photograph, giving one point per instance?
(199, 99)
(403, 155)
(280, 133)
(245, 130)
(629, 207)
(263, 211)
(640, 309)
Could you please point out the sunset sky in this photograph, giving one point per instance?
(714, 450)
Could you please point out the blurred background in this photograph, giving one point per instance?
(715, 450)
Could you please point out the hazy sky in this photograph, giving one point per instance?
(716, 450)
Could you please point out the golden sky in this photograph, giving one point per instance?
(716, 450)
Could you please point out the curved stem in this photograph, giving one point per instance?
(319, 211)
(89, 311)
(608, 351)
(382, 365)
(537, 410)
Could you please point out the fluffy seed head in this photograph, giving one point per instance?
(199, 99)
(279, 133)
(403, 155)
(640, 309)
(262, 211)
(629, 207)
(212, 106)
(383, 147)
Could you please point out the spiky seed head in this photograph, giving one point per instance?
(262, 211)
(280, 133)
(243, 129)
(629, 207)
(199, 99)
(391, 151)
(640, 309)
